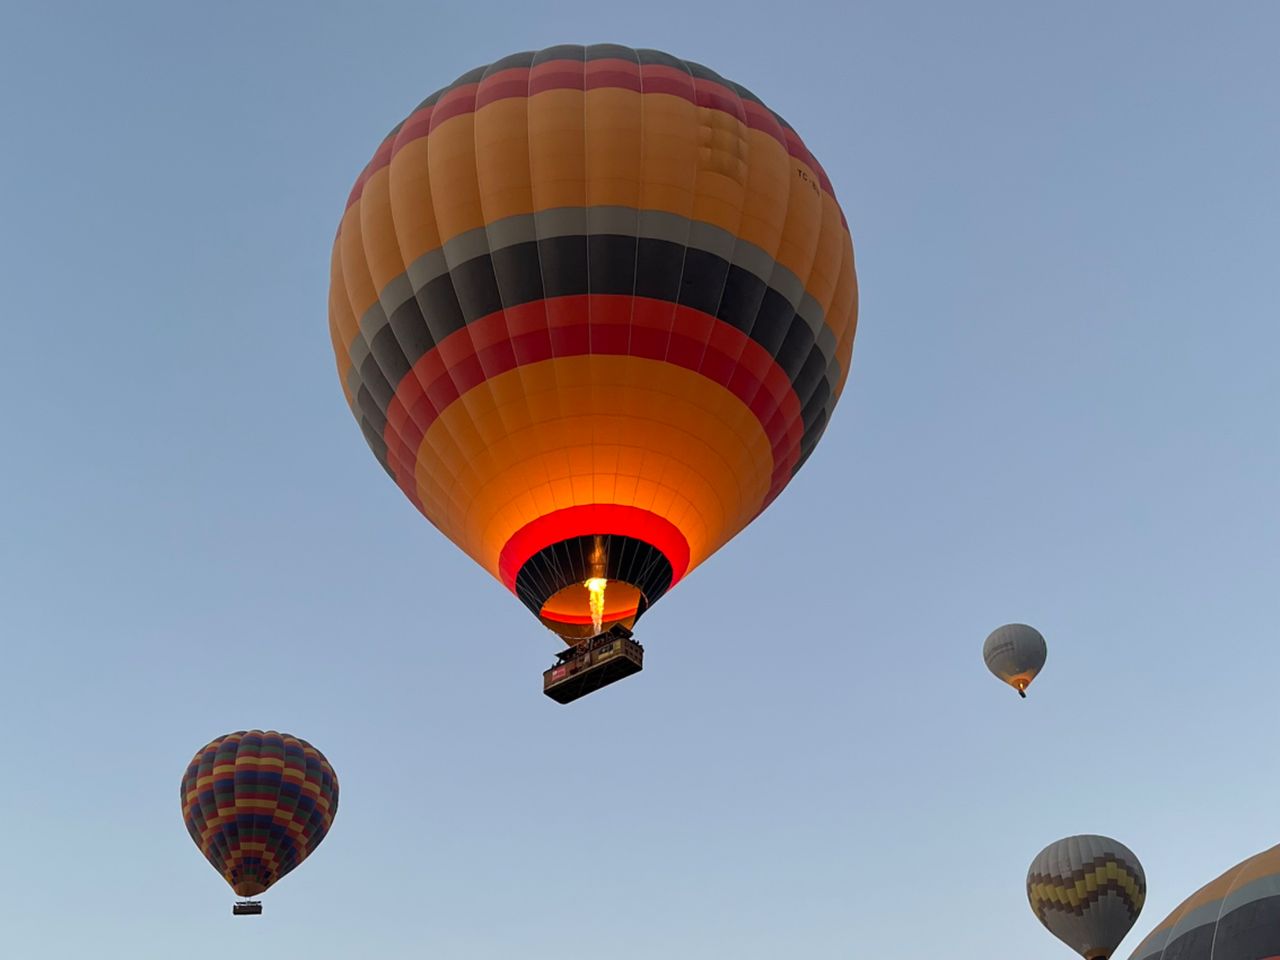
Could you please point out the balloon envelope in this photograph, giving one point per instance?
(1015, 653)
(1234, 917)
(257, 803)
(592, 308)
(1087, 891)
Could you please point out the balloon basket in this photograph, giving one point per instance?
(592, 664)
(247, 908)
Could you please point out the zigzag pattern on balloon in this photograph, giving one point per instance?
(1075, 892)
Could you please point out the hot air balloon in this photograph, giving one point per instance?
(1087, 891)
(1235, 917)
(592, 308)
(1015, 653)
(257, 803)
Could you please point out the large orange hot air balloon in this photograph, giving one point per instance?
(592, 308)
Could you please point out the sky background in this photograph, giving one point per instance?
(1062, 411)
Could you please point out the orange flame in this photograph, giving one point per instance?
(595, 586)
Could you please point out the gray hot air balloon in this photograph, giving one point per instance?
(1087, 891)
(1015, 653)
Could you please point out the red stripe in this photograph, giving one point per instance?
(606, 324)
(595, 74)
(577, 620)
(795, 146)
(381, 158)
(761, 118)
(719, 97)
(613, 72)
(455, 103)
(556, 75)
(679, 86)
(416, 126)
(586, 520)
(513, 82)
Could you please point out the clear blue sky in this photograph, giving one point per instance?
(1062, 410)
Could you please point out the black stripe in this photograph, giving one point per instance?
(563, 51)
(1251, 930)
(474, 75)
(1196, 944)
(372, 395)
(626, 265)
(700, 72)
(657, 58)
(611, 51)
(522, 59)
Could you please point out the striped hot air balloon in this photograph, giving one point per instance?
(1235, 917)
(1087, 891)
(257, 803)
(592, 308)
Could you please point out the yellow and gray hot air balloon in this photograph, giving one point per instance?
(1087, 891)
(1234, 917)
(1015, 653)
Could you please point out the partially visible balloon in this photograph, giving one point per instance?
(1234, 917)
(257, 804)
(1087, 891)
(1015, 653)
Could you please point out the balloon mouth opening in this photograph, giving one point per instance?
(580, 587)
(248, 888)
(1020, 683)
(578, 612)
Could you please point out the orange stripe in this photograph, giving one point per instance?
(672, 442)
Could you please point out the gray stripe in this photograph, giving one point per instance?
(661, 225)
(786, 283)
(622, 221)
(427, 267)
(510, 231)
(467, 246)
(825, 337)
(1152, 946)
(354, 382)
(396, 293)
(755, 261)
(561, 222)
(374, 319)
(812, 314)
(1254, 890)
(712, 239)
(1203, 915)
(833, 382)
(359, 349)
